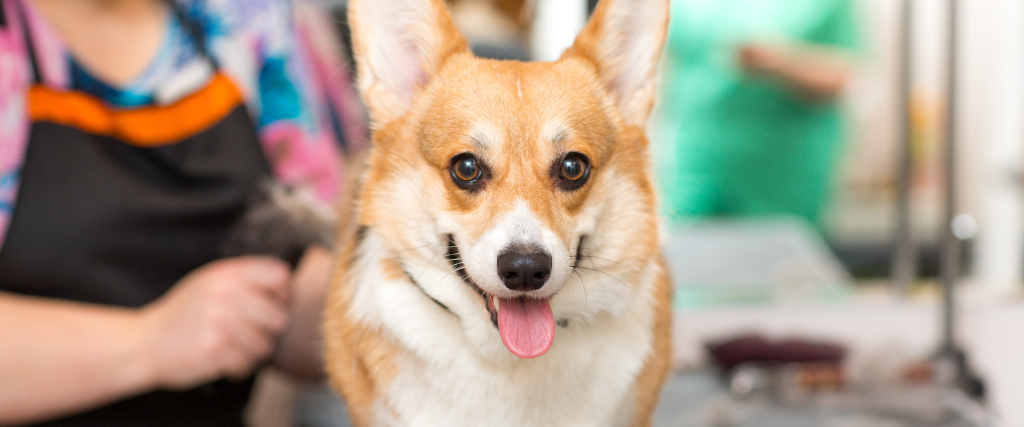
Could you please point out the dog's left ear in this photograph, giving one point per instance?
(623, 40)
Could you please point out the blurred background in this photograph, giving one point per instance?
(811, 291)
(841, 187)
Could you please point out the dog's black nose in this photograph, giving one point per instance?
(524, 269)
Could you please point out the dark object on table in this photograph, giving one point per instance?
(751, 362)
(757, 349)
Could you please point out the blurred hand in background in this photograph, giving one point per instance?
(820, 73)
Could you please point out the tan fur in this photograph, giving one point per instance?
(392, 269)
(657, 366)
(525, 114)
(359, 359)
(444, 120)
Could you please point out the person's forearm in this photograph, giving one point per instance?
(58, 358)
(814, 71)
(820, 77)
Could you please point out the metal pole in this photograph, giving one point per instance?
(904, 263)
(949, 267)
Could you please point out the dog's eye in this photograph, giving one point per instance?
(465, 168)
(573, 171)
(466, 171)
(573, 168)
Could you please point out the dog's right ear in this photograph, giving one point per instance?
(623, 40)
(399, 45)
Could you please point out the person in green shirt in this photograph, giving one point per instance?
(750, 122)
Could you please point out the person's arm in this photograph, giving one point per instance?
(59, 357)
(62, 356)
(820, 73)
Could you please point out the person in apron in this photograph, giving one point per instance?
(115, 251)
(750, 121)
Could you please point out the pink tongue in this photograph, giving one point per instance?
(527, 326)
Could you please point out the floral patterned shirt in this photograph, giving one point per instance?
(282, 55)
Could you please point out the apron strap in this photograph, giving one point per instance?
(26, 36)
(195, 30)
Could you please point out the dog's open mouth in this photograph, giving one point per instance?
(526, 325)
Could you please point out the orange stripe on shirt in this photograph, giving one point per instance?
(144, 127)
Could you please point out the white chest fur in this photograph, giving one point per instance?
(456, 372)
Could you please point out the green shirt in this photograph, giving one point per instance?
(736, 144)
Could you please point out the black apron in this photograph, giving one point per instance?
(102, 220)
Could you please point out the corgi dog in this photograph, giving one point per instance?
(503, 266)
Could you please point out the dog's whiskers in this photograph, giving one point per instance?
(605, 273)
(425, 267)
(631, 268)
(586, 296)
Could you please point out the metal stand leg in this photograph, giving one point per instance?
(949, 268)
(904, 264)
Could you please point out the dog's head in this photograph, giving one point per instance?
(525, 183)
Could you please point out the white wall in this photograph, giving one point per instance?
(555, 26)
(991, 123)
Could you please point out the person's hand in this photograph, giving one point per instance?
(816, 72)
(220, 320)
(761, 59)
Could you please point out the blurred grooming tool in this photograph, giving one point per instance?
(281, 222)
